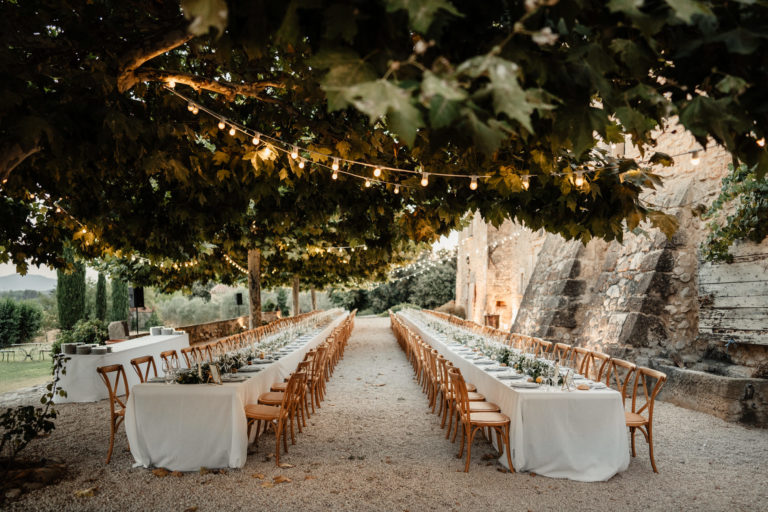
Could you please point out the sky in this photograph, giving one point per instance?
(445, 242)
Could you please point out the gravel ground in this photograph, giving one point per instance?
(375, 446)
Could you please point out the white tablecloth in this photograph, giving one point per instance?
(83, 384)
(579, 435)
(183, 427)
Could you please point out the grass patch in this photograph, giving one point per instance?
(21, 374)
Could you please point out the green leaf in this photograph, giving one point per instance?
(433, 85)
(443, 112)
(687, 9)
(487, 138)
(668, 224)
(732, 84)
(421, 12)
(204, 15)
(628, 7)
(345, 68)
(662, 159)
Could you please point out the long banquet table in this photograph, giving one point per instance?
(83, 384)
(183, 427)
(579, 435)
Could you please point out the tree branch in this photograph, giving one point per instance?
(148, 50)
(227, 89)
(11, 156)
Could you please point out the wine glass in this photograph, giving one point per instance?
(167, 371)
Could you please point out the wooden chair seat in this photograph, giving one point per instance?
(271, 398)
(262, 412)
(471, 388)
(483, 407)
(473, 397)
(634, 420)
(488, 419)
(280, 386)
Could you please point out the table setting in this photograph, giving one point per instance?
(563, 424)
(163, 420)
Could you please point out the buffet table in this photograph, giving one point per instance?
(579, 435)
(83, 384)
(183, 427)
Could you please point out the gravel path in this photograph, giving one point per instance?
(375, 446)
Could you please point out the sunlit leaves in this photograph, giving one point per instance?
(422, 12)
(205, 14)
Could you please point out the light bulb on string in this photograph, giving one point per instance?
(397, 189)
(367, 185)
(761, 142)
(335, 165)
(294, 152)
(301, 163)
(579, 179)
(473, 183)
(424, 179)
(221, 124)
(335, 175)
(526, 182)
(172, 84)
(190, 106)
(195, 110)
(695, 158)
(267, 152)
(377, 172)
(232, 130)
(256, 139)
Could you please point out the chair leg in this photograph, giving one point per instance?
(472, 433)
(632, 433)
(111, 440)
(650, 449)
(508, 448)
(463, 437)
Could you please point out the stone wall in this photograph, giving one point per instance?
(647, 298)
(200, 333)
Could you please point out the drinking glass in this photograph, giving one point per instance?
(167, 372)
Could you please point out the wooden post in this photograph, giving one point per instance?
(295, 295)
(254, 286)
(314, 299)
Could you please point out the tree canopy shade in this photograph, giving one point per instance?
(524, 94)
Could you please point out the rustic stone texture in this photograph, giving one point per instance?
(201, 333)
(644, 297)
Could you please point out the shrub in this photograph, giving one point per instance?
(70, 296)
(101, 298)
(30, 321)
(452, 309)
(404, 305)
(120, 303)
(84, 331)
(9, 322)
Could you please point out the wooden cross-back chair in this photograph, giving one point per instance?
(169, 356)
(112, 375)
(561, 351)
(189, 354)
(471, 422)
(596, 364)
(541, 347)
(142, 365)
(579, 359)
(641, 416)
(278, 416)
(618, 375)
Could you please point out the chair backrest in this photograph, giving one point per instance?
(460, 391)
(291, 393)
(111, 376)
(445, 380)
(541, 347)
(142, 371)
(597, 362)
(189, 354)
(618, 374)
(561, 351)
(644, 378)
(168, 356)
(579, 357)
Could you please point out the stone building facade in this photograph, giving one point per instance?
(649, 299)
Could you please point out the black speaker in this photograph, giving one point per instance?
(239, 298)
(136, 296)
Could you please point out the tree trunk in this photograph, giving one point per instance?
(314, 299)
(254, 286)
(295, 295)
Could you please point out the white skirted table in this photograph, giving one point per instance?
(579, 435)
(183, 427)
(83, 384)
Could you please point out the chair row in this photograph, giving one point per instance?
(290, 401)
(638, 384)
(459, 402)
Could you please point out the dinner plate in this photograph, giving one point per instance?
(510, 376)
(155, 380)
(485, 362)
(261, 361)
(496, 369)
(522, 384)
(233, 378)
(250, 369)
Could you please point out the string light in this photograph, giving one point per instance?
(301, 163)
(172, 84)
(424, 179)
(335, 165)
(377, 172)
(695, 158)
(256, 139)
(190, 106)
(397, 189)
(267, 152)
(335, 175)
(367, 185)
(579, 179)
(761, 142)
(294, 152)
(232, 130)
(195, 110)
(221, 124)
(473, 183)
(526, 182)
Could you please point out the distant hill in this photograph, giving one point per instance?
(28, 282)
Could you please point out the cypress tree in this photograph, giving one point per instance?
(70, 296)
(101, 298)
(120, 303)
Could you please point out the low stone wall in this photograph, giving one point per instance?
(201, 333)
(741, 400)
